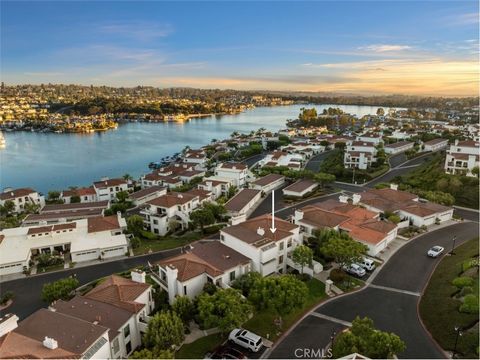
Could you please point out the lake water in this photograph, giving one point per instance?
(55, 161)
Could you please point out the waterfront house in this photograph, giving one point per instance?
(283, 158)
(86, 195)
(206, 262)
(107, 189)
(22, 197)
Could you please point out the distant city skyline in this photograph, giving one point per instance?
(377, 47)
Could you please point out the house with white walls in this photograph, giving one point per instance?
(300, 188)
(243, 203)
(294, 161)
(149, 193)
(462, 157)
(234, 171)
(206, 262)
(216, 187)
(267, 250)
(86, 195)
(84, 240)
(376, 139)
(398, 147)
(359, 154)
(169, 211)
(435, 144)
(107, 189)
(22, 197)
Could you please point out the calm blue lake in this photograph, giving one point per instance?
(55, 161)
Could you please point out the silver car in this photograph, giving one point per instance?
(435, 251)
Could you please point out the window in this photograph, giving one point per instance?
(280, 259)
(281, 246)
(116, 346)
(155, 222)
(126, 331)
(222, 237)
(289, 243)
(232, 275)
(128, 347)
(185, 290)
(179, 208)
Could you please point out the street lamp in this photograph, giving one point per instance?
(453, 245)
(459, 333)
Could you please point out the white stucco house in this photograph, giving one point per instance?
(21, 197)
(462, 157)
(236, 172)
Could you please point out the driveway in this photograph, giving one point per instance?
(390, 300)
(314, 162)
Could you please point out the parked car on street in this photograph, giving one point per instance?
(246, 339)
(435, 251)
(367, 264)
(355, 269)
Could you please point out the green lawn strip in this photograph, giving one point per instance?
(350, 284)
(44, 269)
(262, 323)
(166, 242)
(439, 310)
(198, 348)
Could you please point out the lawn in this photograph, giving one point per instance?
(198, 348)
(439, 308)
(166, 242)
(351, 283)
(262, 323)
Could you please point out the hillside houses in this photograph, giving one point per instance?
(21, 198)
(359, 154)
(462, 157)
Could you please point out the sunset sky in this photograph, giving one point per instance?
(378, 47)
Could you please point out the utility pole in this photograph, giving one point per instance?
(453, 245)
(459, 333)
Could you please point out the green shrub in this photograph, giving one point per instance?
(338, 276)
(462, 281)
(470, 304)
(466, 290)
(7, 296)
(135, 242)
(148, 235)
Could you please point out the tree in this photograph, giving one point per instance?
(225, 309)
(164, 330)
(245, 282)
(127, 177)
(380, 112)
(122, 196)
(184, 308)
(302, 256)
(59, 289)
(324, 178)
(307, 114)
(280, 293)
(135, 225)
(364, 339)
(202, 217)
(75, 199)
(7, 208)
(343, 249)
(54, 197)
(149, 354)
(394, 218)
(217, 210)
(476, 171)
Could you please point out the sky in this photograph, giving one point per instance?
(360, 47)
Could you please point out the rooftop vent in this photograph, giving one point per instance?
(261, 231)
(50, 343)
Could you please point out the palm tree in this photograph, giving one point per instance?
(234, 134)
(127, 176)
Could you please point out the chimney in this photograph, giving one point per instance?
(356, 199)
(138, 276)
(8, 323)
(298, 214)
(343, 199)
(456, 142)
(260, 231)
(394, 186)
(50, 343)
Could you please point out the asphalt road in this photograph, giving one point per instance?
(313, 163)
(28, 290)
(391, 300)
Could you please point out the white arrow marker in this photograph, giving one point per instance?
(273, 229)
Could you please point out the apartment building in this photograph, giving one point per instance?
(359, 154)
(462, 157)
(234, 172)
(86, 195)
(22, 197)
(107, 189)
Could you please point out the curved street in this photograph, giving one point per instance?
(390, 299)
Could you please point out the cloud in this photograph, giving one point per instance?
(143, 31)
(465, 19)
(44, 73)
(381, 48)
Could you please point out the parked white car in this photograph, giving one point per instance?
(367, 264)
(246, 339)
(435, 251)
(355, 269)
